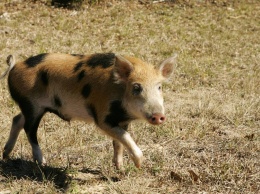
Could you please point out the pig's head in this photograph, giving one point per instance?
(143, 97)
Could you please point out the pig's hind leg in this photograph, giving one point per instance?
(31, 125)
(17, 126)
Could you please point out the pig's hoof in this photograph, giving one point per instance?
(5, 156)
(139, 160)
(41, 162)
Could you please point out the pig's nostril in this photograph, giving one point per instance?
(162, 118)
(157, 119)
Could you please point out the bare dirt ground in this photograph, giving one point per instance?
(210, 142)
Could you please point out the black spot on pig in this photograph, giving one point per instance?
(117, 114)
(86, 90)
(35, 60)
(104, 60)
(57, 101)
(81, 75)
(78, 66)
(44, 77)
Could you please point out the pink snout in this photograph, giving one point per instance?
(157, 119)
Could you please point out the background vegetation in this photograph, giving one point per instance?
(210, 142)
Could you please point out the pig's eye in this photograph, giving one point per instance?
(160, 87)
(137, 89)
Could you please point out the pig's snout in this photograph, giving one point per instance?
(157, 119)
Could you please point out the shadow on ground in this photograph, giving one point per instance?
(22, 169)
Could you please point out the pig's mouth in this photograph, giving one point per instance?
(156, 118)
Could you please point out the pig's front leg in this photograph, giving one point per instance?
(118, 154)
(121, 136)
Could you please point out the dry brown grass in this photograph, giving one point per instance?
(210, 143)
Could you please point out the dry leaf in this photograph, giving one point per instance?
(250, 137)
(175, 176)
(193, 175)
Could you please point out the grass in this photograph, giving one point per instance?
(210, 142)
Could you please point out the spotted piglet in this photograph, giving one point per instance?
(108, 89)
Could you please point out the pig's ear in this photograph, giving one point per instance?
(122, 69)
(167, 67)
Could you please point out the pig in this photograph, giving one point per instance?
(108, 89)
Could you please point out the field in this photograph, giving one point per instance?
(211, 140)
